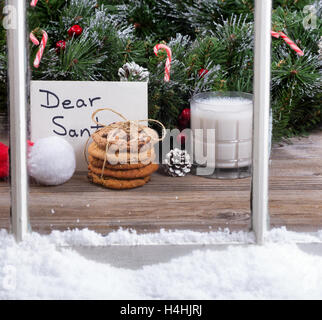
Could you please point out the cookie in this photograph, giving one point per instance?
(126, 174)
(97, 163)
(125, 137)
(115, 183)
(121, 158)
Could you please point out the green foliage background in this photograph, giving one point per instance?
(216, 35)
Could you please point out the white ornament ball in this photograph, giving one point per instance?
(51, 161)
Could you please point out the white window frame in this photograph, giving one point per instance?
(18, 101)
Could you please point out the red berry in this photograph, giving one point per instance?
(75, 30)
(202, 72)
(60, 45)
(182, 125)
(184, 119)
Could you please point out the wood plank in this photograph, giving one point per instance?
(191, 202)
(183, 205)
(299, 148)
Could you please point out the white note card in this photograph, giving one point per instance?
(64, 109)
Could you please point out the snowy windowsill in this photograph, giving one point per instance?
(39, 268)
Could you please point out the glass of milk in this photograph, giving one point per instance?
(222, 126)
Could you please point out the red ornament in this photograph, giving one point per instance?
(184, 119)
(4, 161)
(76, 30)
(202, 72)
(181, 138)
(60, 45)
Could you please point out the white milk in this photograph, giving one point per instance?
(231, 117)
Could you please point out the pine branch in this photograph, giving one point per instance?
(214, 35)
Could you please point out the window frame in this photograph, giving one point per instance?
(19, 97)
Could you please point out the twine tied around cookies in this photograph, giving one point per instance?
(122, 125)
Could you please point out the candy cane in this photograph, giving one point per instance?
(33, 39)
(168, 62)
(33, 3)
(275, 34)
(41, 47)
(288, 41)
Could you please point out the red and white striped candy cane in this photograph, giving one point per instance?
(34, 39)
(168, 62)
(41, 47)
(33, 3)
(288, 41)
(275, 34)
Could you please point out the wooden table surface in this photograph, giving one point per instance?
(191, 202)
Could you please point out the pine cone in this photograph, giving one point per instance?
(177, 163)
(133, 72)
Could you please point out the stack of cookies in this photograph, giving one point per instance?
(122, 155)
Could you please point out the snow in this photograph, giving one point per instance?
(47, 267)
(87, 237)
